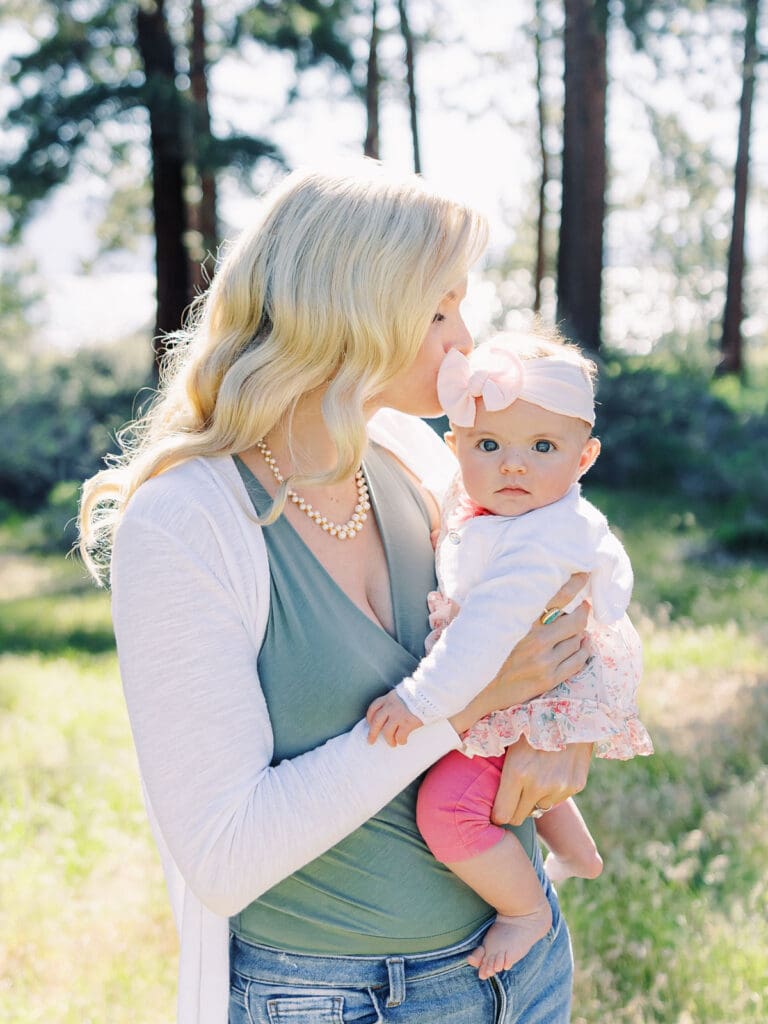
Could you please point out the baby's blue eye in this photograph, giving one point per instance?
(543, 446)
(487, 445)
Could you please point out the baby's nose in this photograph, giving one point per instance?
(513, 463)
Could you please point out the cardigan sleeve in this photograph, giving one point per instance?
(234, 824)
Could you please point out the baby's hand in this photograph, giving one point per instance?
(389, 716)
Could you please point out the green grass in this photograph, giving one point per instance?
(676, 928)
(85, 934)
(675, 931)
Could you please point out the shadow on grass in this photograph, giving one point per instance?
(79, 641)
(57, 624)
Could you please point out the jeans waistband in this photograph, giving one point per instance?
(264, 963)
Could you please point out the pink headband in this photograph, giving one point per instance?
(499, 376)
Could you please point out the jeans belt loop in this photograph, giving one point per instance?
(396, 974)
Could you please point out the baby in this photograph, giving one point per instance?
(514, 528)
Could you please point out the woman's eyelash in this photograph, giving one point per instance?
(438, 318)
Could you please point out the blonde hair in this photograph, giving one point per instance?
(335, 285)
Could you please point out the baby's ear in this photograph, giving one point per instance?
(450, 439)
(589, 455)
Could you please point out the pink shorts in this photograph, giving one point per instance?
(454, 806)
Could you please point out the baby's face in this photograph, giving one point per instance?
(522, 457)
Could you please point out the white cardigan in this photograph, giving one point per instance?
(190, 600)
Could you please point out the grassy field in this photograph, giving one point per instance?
(675, 930)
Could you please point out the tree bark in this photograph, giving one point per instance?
(538, 272)
(371, 145)
(166, 144)
(580, 253)
(731, 343)
(405, 29)
(204, 212)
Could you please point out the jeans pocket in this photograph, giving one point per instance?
(271, 1003)
(309, 1009)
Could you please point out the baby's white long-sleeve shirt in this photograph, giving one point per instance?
(502, 570)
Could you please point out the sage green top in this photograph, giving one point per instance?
(378, 891)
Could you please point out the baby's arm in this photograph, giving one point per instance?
(494, 617)
(389, 716)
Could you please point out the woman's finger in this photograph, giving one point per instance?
(526, 804)
(507, 796)
(569, 590)
(566, 626)
(573, 663)
(530, 777)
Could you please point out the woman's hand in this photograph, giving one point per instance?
(533, 777)
(546, 656)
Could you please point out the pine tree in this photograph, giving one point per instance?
(580, 254)
(85, 76)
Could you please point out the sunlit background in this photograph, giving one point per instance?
(672, 128)
(675, 931)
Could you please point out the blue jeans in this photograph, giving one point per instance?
(271, 986)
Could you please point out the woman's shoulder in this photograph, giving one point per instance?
(198, 491)
(417, 447)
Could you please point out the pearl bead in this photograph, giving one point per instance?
(342, 531)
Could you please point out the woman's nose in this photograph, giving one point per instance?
(462, 339)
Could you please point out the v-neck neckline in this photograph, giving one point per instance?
(249, 477)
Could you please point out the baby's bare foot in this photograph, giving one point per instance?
(560, 868)
(509, 939)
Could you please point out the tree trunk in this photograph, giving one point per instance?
(165, 122)
(204, 212)
(580, 254)
(371, 146)
(731, 344)
(538, 273)
(405, 29)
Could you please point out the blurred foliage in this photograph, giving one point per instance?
(86, 76)
(669, 430)
(58, 416)
(666, 430)
(311, 30)
(18, 300)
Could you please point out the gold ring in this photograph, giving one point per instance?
(549, 615)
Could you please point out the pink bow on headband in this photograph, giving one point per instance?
(492, 373)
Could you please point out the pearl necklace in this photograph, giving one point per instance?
(341, 531)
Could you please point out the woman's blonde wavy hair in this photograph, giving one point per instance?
(335, 285)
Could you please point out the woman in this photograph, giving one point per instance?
(250, 652)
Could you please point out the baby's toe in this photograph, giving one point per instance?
(476, 957)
